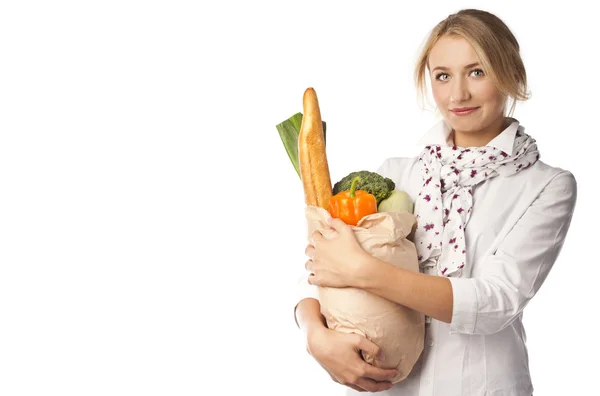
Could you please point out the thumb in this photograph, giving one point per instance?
(368, 346)
(337, 224)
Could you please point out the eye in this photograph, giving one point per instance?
(481, 74)
(440, 75)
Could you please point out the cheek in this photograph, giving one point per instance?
(440, 95)
(490, 96)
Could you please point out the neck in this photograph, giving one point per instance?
(479, 138)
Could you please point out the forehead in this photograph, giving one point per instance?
(452, 52)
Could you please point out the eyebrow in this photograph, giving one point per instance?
(466, 67)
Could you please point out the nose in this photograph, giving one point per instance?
(459, 91)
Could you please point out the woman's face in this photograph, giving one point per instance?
(459, 82)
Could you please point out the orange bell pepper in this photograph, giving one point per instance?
(351, 206)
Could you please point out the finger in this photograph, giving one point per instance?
(378, 374)
(373, 386)
(309, 265)
(312, 280)
(356, 388)
(316, 237)
(363, 344)
(309, 251)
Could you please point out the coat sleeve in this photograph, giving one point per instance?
(515, 272)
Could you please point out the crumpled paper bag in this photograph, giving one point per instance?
(397, 330)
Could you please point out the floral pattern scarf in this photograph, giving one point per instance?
(443, 207)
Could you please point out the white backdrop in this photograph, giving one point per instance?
(151, 224)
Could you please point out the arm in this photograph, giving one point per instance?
(307, 303)
(431, 295)
(308, 315)
(508, 280)
(515, 272)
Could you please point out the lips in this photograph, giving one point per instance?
(463, 110)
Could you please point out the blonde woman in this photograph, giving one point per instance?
(492, 218)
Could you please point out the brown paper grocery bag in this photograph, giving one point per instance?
(396, 329)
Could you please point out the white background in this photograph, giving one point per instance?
(151, 224)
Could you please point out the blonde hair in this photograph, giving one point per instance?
(494, 44)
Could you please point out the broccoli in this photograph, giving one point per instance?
(371, 182)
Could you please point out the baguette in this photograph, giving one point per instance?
(314, 169)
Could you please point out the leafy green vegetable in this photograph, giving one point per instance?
(288, 132)
(371, 182)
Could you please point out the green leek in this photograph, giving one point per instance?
(288, 132)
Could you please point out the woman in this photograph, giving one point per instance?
(492, 218)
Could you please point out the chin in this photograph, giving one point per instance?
(465, 123)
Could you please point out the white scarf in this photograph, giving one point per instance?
(443, 207)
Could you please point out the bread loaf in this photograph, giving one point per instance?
(314, 169)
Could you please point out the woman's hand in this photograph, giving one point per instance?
(339, 354)
(338, 260)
